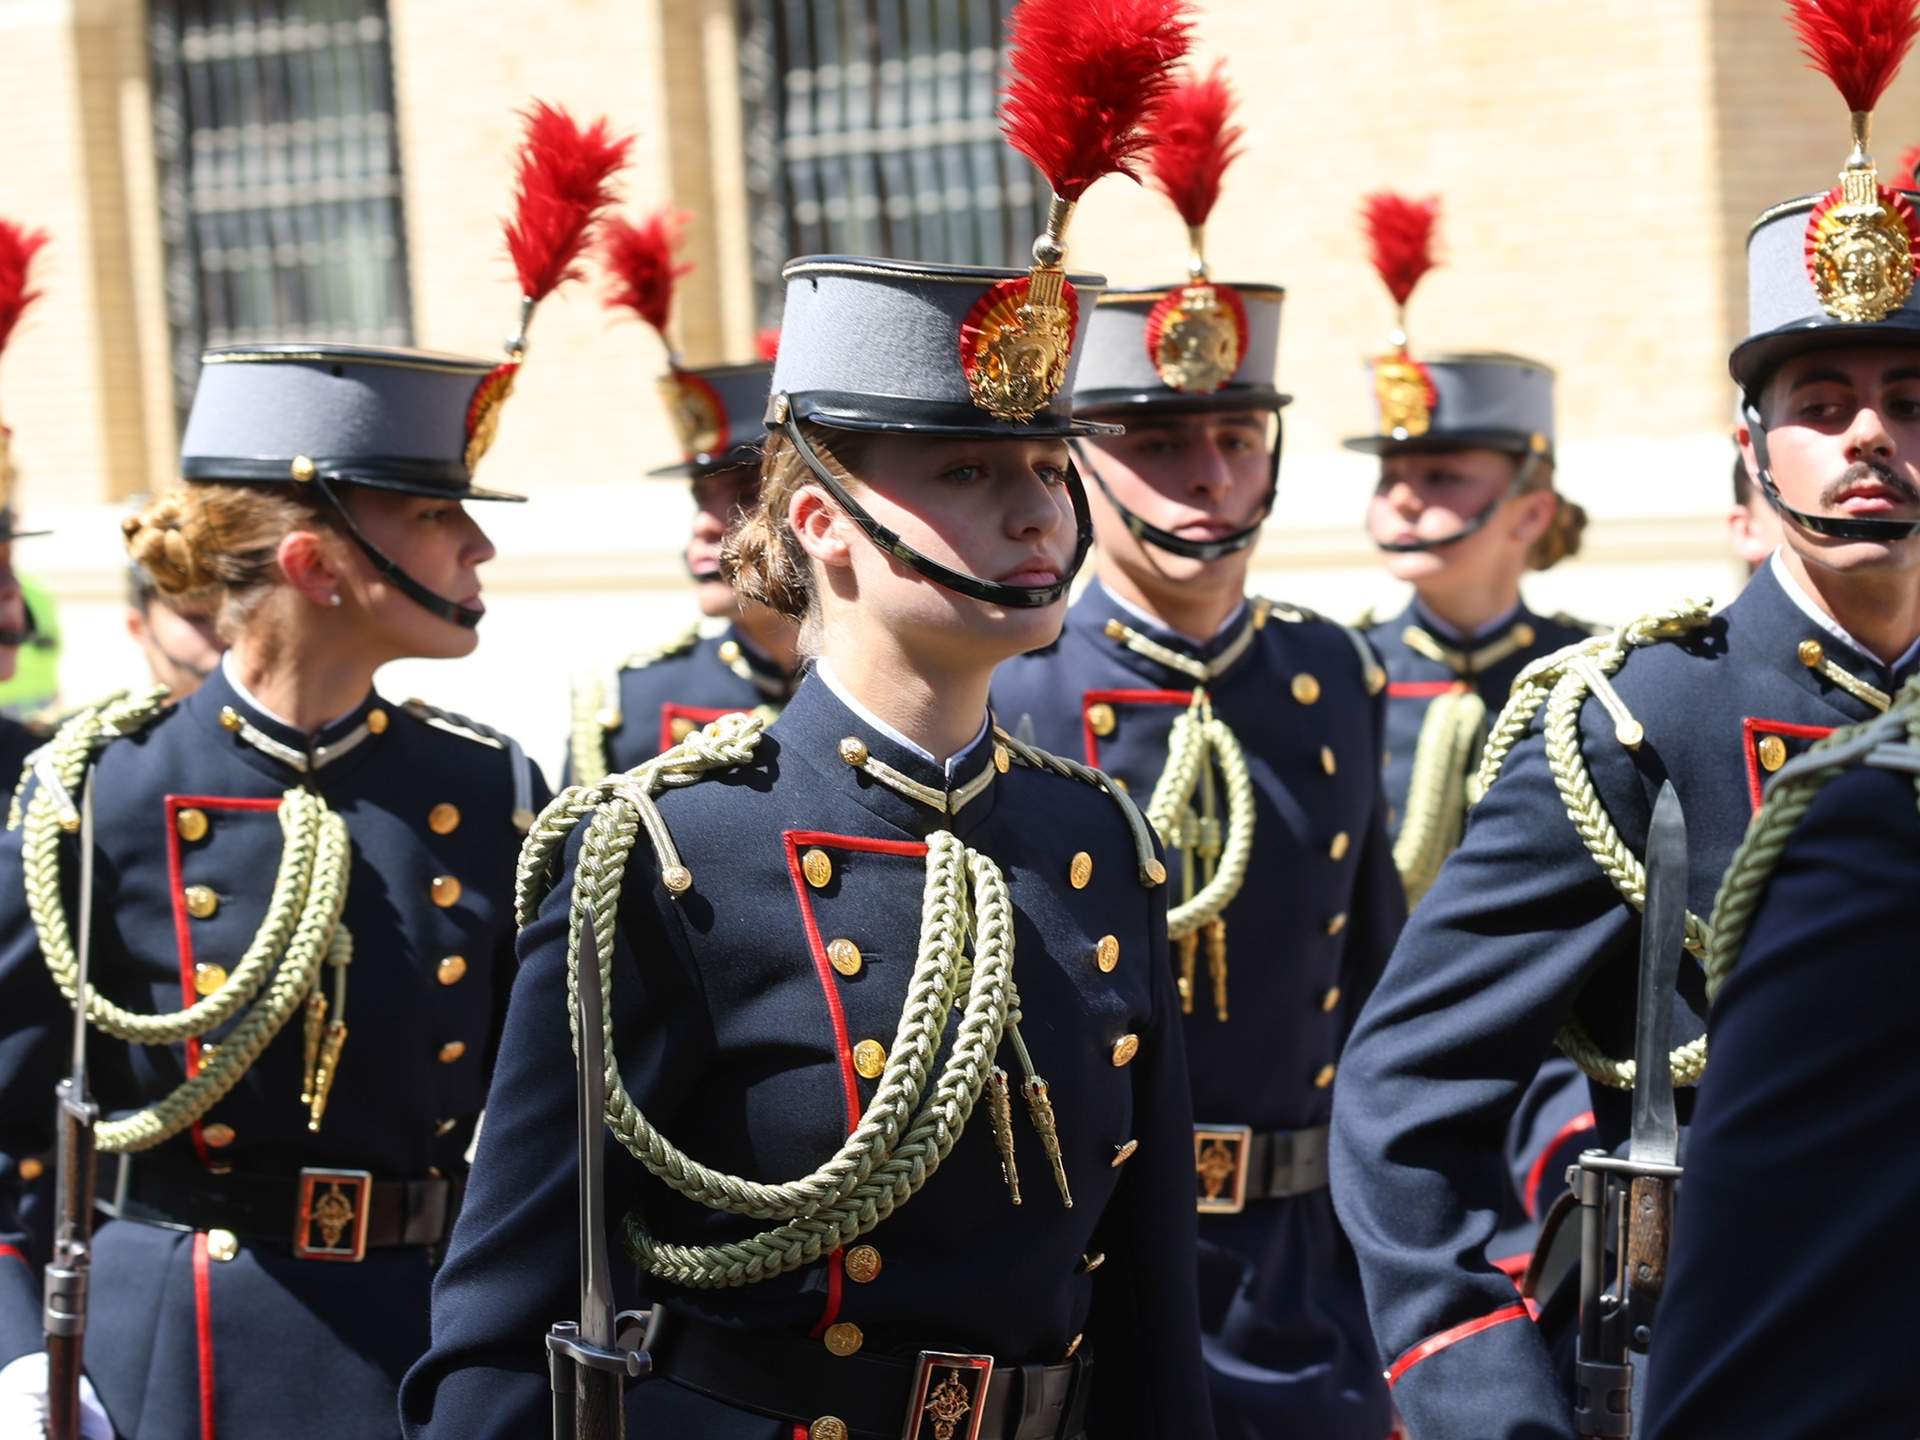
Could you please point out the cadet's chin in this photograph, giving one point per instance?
(716, 599)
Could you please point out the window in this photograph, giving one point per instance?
(872, 128)
(279, 175)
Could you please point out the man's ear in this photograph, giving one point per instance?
(821, 527)
(304, 561)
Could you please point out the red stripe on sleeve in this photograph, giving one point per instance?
(1537, 1172)
(1434, 1344)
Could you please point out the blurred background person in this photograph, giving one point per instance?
(176, 635)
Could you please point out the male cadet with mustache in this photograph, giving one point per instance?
(655, 697)
(1532, 931)
(1250, 732)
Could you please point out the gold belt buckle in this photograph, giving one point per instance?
(1220, 1154)
(949, 1397)
(330, 1221)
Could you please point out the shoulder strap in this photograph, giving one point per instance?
(1151, 871)
(469, 729)
(678, 644)
(1371, 674)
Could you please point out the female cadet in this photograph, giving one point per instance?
(655, 696)
(291, 899)
(787, 942)
(1464, 507)
(1253, 727)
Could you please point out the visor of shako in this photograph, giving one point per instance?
(718, 414)
(939, 350)
(1199, 346)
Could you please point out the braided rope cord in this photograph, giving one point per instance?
(1197, 737)
(906, 1130)
(1437, 792)
(301, 931)
(1773, 825)
(587, 739)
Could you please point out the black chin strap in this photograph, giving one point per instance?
(1522, 475)
(1839, 527)
(1017, 597)
(1178, 544)
(26, 634)
(420, 595)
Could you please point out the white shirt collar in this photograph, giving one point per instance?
(1157, 623)
(826, 676)
(1461, 637)
(232, 671)
(1826, 622)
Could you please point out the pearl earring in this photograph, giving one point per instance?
(334, 600)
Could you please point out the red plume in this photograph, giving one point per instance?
(1084, 76)
(639, 259)
(561, 188)
(1857, 44)
(767, 342)
(18, 246)
(1400, 239)
(1194, 143)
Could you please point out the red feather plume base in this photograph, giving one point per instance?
(1194, 141)
(562, 187)
(1857, 44)
(1400, 233)
(639, 260)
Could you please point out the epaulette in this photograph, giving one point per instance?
(469, 729)
(1574, 622)
(1151, 871)
(1371, 672)
(1364, 620)
(596, 705)
(678, 645)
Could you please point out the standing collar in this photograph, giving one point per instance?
(1149, 646)
(1467, 657)
(226, 703)
(1807, 606)
(956, 763)
(1142, 619)
(745, 659)
(1428, 621)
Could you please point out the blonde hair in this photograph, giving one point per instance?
(1561, 539)
(761, 557)
(218, 544)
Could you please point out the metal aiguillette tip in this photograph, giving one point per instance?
(1040, 1106)
(1000, 1114)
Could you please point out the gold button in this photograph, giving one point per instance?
(208, 978)
(1124, 1153)
(853, 750)
(1329, 1000)
(680, 728)
(303, 469)
(845, 1338)
(1073, 1346)
(1116, 630)
(32, 1168)
(729, 651)
(1121, 785)
(1773, 752)
(452, 1051)
(816, 867)
(452, 970)
(1338, 849)
(1812, 652)
(443, 819)
(208, 1050)
(230, 717)
(1156, 873)
(1080, 870)
(1091, 1263)
(870, 1058)
(1630, 733)
(1306, 689)
(443, 1128)
(844, 956)
(862, 1264)
(1124, 1049)
(1337, 923)
(1002, 761)
(1106, 954)
(201, 902)
(1327, 762)
(1100, 718)
(192, 824)
(222, 1245)
(1324, 1078)
(828, 1427)
(677, 878)
(217, 1135)
(377, 721)
(446, 891)
(1523, 634)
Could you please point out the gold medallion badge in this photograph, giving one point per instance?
(1197, 336)
(1016, 341)
(483, 413)
(1406, 395)
(699, 418)
(1861, 249)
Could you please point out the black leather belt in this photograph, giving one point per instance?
(872, 1397)
(318, 1214)
(1233, 1164)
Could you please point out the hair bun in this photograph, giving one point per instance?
(1562, 538)
(168, 539)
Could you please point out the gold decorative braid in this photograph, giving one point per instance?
(1437, 795)
(1560, 683)
(275, 975)
(596, 706)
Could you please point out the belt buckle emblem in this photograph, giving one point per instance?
(949, 1397)
(330, 1221)
(1220, 1168)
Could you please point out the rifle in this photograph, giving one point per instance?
(587, 1365)
(1637, 1191)
(64, 1310)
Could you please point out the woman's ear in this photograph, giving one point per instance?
(309, 570)
(1537, 509)
(820, 526)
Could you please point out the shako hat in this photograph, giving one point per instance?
(18, 247)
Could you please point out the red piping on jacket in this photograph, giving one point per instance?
(203, 1331)
(1434, 1344)
(1752, 728)
(1424, 689)
(1537, 1173)
(698, 714)
(1091, 698)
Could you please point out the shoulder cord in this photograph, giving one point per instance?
(596, 706)
(301, 930)
(1437, 794)
(1561, 683)
(1773, 825)
(1197, 735)
(907, 1129)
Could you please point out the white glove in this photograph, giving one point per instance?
(23, 1402)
